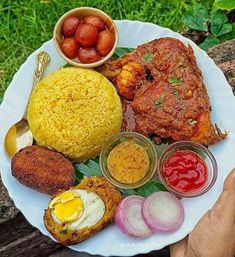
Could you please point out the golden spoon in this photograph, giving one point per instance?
(20, 135)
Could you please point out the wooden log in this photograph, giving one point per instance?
(18, 238)
(7, 207)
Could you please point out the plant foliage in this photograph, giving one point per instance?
(214, 25)
(197, 18)
(225, 4)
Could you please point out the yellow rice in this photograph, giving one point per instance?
(74, 111)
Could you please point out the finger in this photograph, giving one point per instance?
(229, 183)
(226, 202)
(178, 249)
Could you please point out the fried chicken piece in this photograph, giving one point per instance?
(43, 169)
(106, 192)
(170, 100)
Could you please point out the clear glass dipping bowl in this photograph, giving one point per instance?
(119, 138)
(199, 149)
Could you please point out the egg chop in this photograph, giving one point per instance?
(77, 214)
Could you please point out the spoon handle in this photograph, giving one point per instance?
(42, 60)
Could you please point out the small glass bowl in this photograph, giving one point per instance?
(199, 149)
(119, 138)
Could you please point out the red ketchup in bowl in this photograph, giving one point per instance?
(185, 171)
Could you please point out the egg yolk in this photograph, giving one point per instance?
(67, 196)
(68, 207)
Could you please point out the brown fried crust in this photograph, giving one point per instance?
(173, 101)
(106, 192)
(43, 169)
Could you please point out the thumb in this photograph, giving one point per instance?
(225, 207)
(226, 202)
(229, 183)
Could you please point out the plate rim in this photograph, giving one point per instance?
(91, 250)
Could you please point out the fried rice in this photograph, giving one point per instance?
(74, 111)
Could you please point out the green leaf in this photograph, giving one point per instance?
(148, 57)
(89, 168)
(225, 4)
(197, 18)
(174, 81)
(120, 51)
(160, 148)
(209, 42)
(158, 102)
(79, 176)
(146, 190)
(228, 36)
(219, 25)
(67, 65)
(176, 93)
(149, 188)
(128, 192)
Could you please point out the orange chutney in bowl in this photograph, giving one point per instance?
(128, 162)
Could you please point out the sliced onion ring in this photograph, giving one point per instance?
(163, 211)
(129, 217)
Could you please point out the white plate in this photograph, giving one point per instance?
(111, 241)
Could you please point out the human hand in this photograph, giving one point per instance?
(214, 235)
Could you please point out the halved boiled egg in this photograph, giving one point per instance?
(76, 209)
(82, 211)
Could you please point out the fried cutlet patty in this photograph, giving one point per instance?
(110, 196)
(43, 169)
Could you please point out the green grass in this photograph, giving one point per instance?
(26, 24)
